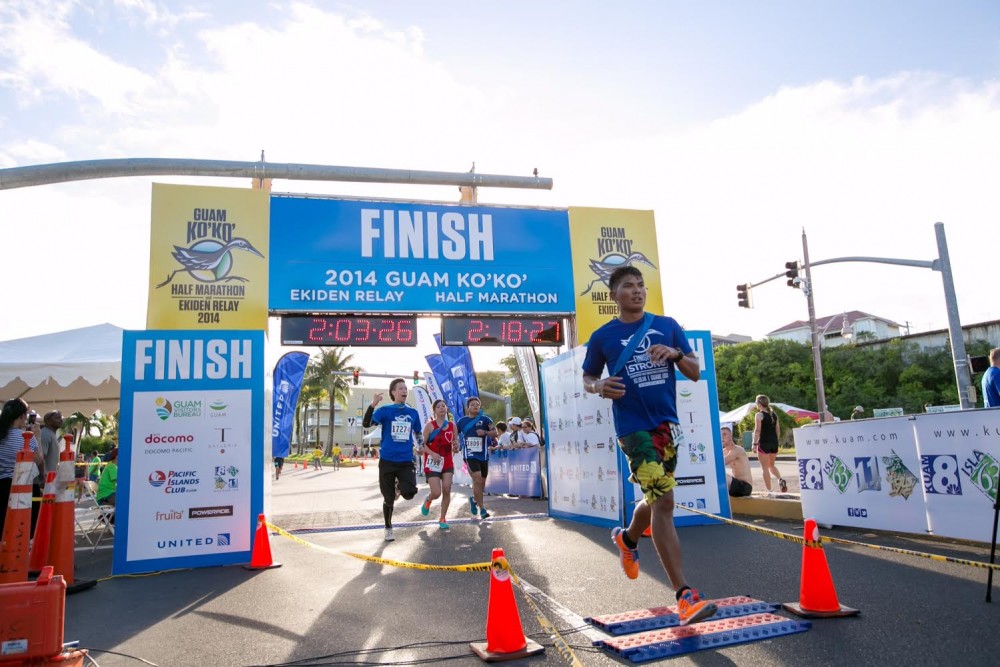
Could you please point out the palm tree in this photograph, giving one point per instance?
(80, 425)
(309, 396)
(323, 372)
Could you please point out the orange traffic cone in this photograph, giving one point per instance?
(362, 464)
(43, 529)
(61, 553)
(817, 596)
(260, 556)
(17, 524)
(505, 638)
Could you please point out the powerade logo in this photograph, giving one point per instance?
(174, 481)
(857, 512)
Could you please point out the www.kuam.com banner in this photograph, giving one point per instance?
(208, 252)
(604, 239)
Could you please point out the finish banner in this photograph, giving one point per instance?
(208, 263)
(190, 482)
(604, 239)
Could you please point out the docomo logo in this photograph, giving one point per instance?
(157, 439)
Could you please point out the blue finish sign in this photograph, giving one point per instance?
(333, 255)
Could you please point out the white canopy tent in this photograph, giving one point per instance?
(78, 370)
(739, 413)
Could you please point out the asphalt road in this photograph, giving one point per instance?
(325, 607)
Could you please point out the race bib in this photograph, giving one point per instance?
(474, 445)
(401, 430)
(435, 463)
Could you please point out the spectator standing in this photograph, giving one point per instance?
(49, 439)
(400, 427)
(14, 422)
(335, 454)
(503, 440)
(317, 459)
(94, 469)
(643, 353)
(515, 432)
(991, 381)
(859, 412)
(766, 432)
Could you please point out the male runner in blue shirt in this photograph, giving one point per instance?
(473, 429)
(642, 387)
(400, 428)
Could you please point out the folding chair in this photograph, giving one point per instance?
(101, 516)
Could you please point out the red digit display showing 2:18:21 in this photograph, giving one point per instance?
(488, 330)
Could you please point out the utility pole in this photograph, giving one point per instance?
(807, 288)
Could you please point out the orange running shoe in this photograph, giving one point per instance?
(691, 608)
(629, 557)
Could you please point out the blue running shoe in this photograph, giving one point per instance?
(473, 507)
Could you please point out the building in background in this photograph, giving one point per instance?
(853, 326)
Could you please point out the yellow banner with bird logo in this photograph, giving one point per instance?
(208, 263)
(604, 239)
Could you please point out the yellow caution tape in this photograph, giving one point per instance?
(837, 540)
(560, 644)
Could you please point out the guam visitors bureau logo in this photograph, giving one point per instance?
(614, 250)
(178, 409)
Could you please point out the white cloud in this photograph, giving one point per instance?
(866, 166)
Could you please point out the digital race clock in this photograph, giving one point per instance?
(502, 331)
(374, 331)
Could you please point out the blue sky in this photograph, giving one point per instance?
(737, 123)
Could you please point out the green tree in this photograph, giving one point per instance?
(322, 372)
(518, 397)
(310, 395)
(495, 383)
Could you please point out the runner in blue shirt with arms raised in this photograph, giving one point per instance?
(401, 427)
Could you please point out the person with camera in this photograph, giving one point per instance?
(15, 419)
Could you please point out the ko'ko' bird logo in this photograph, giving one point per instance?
(209, 261)
(603, 268)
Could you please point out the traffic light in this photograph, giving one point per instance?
(356, 373)
(793, 274)
(416, 378)
(743, 295)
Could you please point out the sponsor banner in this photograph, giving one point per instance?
(700, 474)
(523, 474)
(604, 239)
(587, 473)
(407, 257)
(527, 365)
(190, 479)
(959, 460)
(584, 482)
(862, 473)
(432, 387)
(288, 375)
(458, 363)
(448, 389)
(497, 482)
(208, 266)
(423, 401)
